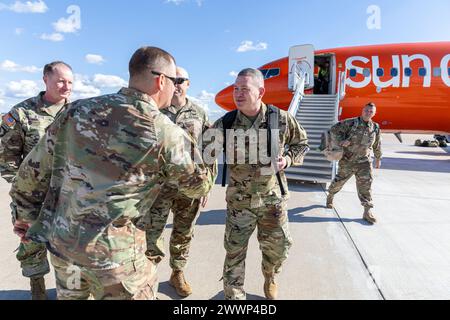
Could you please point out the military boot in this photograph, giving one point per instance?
(330, 198)
(270, 287)
(38, 289)
(368, 216)
(180, 284)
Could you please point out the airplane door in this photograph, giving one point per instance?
(301, 62)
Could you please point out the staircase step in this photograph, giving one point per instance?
(303, 169)
(318, 118)
(301, 177)
(318, 164)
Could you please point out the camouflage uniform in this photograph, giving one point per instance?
(192, 119)
(20, 131)
(88, 183)
(363, 136)
(254, 200)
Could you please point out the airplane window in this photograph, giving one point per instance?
(448, 71)
(380, 72)
(422, 72)
(366, 72)
(272, 73)
(394, 72)
(352, 73)
(408, 72)
(437, 72)
(264, 72)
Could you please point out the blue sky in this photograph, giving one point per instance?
(210, 38)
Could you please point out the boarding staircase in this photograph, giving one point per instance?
(316, 113)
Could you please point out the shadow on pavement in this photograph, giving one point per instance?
(425, 165)
(221, 296)
(24, 294)
(296, 215)
(168, 290)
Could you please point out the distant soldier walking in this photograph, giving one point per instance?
(358, 136)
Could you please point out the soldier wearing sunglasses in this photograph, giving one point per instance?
(194, 120)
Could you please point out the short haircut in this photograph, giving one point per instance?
(254, 73)
(370, 104)
(50, 67)
(149, 58)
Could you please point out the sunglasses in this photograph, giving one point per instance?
(175, 81)
(181, 80)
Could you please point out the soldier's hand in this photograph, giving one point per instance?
(281, 163)
(345, 143)
(377, 164)
(21, 228)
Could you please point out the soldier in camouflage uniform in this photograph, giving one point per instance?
(88, 183)
(253, 196)
(357, 136)
(192, 119)
(20, 131)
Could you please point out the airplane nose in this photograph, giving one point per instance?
(225, 99)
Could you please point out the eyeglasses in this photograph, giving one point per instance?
(181, 80)
(174, 80)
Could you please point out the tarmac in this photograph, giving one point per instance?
(335, 255)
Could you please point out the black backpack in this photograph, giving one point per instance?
(228, 121)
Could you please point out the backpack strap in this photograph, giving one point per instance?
(273, 122)
(227, 122)
(273, 117)
(353, 129)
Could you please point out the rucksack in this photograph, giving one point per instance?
(330, 148)
(273, 115)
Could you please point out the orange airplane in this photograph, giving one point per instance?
(409, 83)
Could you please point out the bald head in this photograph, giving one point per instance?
(179, 96)
(182, 73)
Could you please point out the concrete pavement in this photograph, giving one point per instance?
(335, 255)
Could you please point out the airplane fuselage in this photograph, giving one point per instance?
(409, 83)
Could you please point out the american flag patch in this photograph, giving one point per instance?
(8, 120)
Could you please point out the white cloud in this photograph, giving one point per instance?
(108, 81)
(206, 96)
(11, 66)
(19, 31)
(233, 74)
(22, 89)
(94, 59)
(2, 103)
(27, 7)
(55, 37)
(176, 2)
(248, 45)
(70, 24)
(82, 88)
(86, 87)
(203, 99)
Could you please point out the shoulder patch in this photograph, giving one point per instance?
(8, 120)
